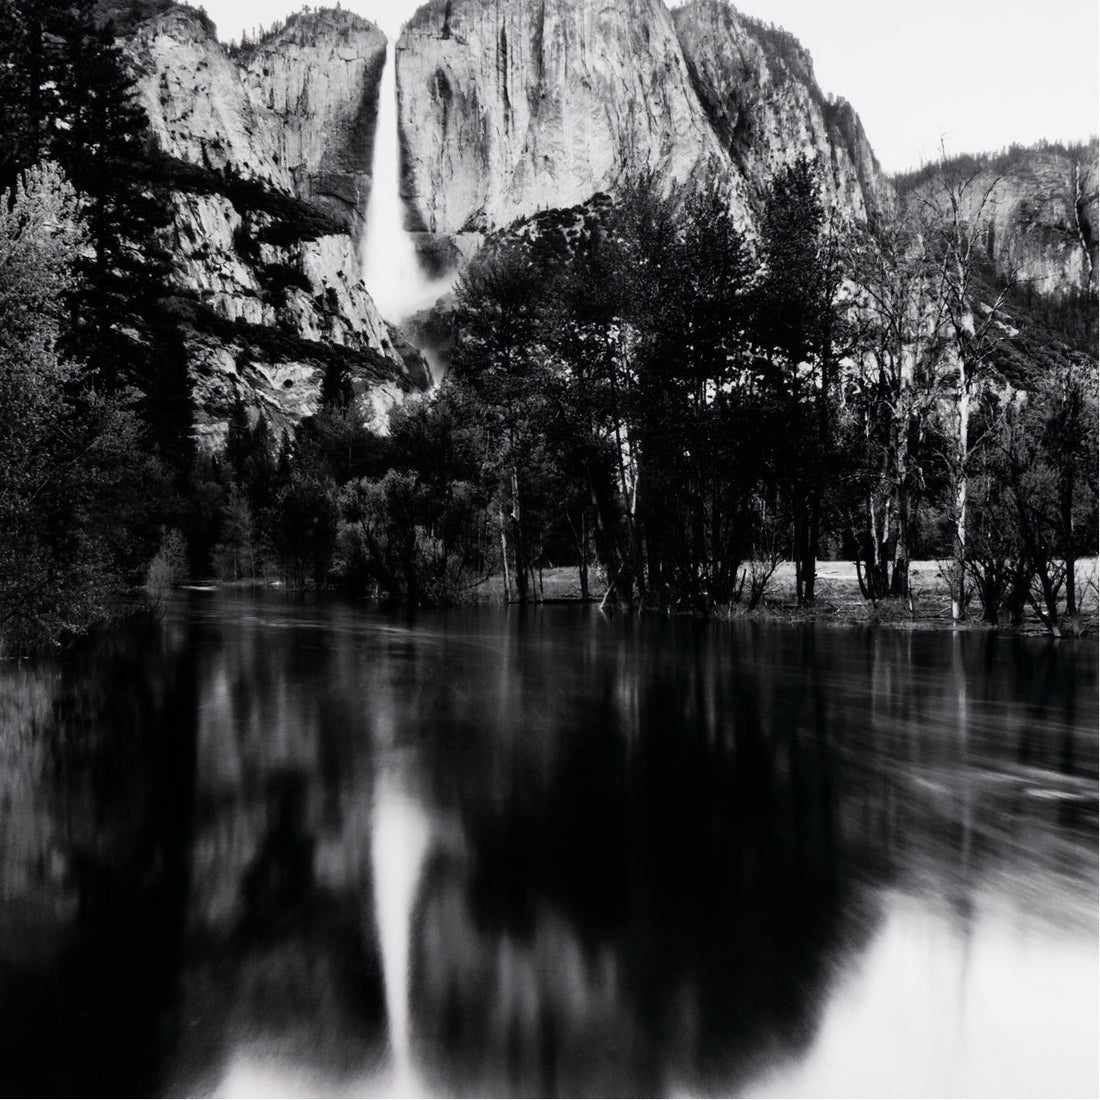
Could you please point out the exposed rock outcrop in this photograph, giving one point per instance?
(1037, 209)
(266, 151)
(297, 109)
(506, 109)
(757, 86)
(511, 109)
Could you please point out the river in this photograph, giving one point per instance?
(280, 847)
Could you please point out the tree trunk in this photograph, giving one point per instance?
(518, 541)
(582, 555)
(504, 557)
(1066, 509)
(899, 581)
(810, 563)
(607, 528)
(958, 571)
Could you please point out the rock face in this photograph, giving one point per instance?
(296, 110)
(266, 151)
(757, 86)
(507, 109)
(1037, 209)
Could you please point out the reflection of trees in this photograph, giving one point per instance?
(969, 767)
(94, 1011)
(661, 910)
(281, 961)
(665, 859)
(175, 905)
(650, 843)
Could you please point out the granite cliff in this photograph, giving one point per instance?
(757, 86)
(506, 110)
(1037, 208)
(510, 109)
(266, 152)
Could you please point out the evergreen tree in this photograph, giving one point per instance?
(74, 520)
(801, 332)
(72, 100)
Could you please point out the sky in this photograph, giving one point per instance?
(972, 75)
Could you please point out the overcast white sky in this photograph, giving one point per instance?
(978, 74)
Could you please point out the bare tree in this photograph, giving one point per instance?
(967, 326)
(893, 395)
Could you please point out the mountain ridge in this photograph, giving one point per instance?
(504, 112)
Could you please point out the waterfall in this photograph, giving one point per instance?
(391, 269)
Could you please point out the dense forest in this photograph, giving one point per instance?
(637, 390)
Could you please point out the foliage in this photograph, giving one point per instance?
(398, 539)
(71, 101)
(803, 334)
(283, 219)
(237, 554)
(75, 495)
(635, 370)
(997, 163)
(616, 383)
(169, 566)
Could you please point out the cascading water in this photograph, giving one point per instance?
(391, 269)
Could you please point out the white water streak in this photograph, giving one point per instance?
(400, 837)
(391, 269)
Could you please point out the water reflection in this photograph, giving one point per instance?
(399, 843)
(282, 849)
(96, 824)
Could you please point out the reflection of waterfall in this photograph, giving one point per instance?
(400, 834)
(391, 269)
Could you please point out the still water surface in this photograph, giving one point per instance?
(277, 848)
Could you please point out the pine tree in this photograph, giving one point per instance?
(800, 330)
(71, 100)
(73, 494)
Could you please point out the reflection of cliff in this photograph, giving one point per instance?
(284, 970)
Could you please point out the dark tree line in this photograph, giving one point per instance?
(658, 397)
(680, 385)
(704, 404)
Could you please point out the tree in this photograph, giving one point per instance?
(1068, 433)
(303, 522)
(968, 325)
(72, 100)
(696, 438)
(501, 359)
(73, 514)
(893, 396)
(617, 365)
(803, 336)
(236, 555)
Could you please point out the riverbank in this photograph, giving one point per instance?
(839, 599)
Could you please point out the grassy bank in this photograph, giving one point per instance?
(838, 597)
